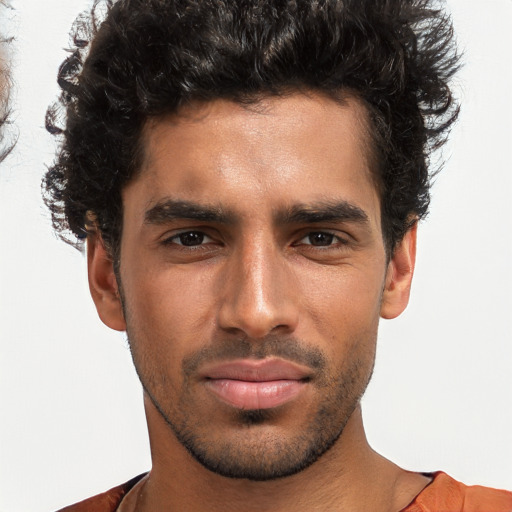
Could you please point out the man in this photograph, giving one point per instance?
(249, 177)
(4, 92)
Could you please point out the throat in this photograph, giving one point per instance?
(349, 476)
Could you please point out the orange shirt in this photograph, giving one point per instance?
(443, 494)
(105, 502)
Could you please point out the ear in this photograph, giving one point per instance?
(103, 283)
(399, 276)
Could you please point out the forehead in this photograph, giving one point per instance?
(278, 151)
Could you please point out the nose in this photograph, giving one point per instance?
(259, 293)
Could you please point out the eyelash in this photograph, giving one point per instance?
(173, 239)
(335, 240)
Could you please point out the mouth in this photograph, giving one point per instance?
(256, 385)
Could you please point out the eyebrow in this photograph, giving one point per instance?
(325, 211)
(169, 210)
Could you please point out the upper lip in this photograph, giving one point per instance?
(255, 370)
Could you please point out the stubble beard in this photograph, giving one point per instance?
(260, 450)
(270, 456)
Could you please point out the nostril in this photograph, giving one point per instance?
(280, 328)
(235, 332)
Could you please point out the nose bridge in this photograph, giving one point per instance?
(259, 276)
(258, 294)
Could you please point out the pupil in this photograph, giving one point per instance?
(192, 238)
(321, 238)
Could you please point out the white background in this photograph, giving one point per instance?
(71, 421)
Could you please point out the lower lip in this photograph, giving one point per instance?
(255, 395)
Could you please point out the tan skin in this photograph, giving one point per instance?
(253, 275)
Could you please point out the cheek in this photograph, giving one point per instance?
(169, 308)
(344, 304)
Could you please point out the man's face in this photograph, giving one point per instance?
(3, 84)
(4, 96)
(252, 272)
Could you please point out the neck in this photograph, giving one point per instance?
(350, 476)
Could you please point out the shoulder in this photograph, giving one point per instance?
(444, 494)
(107, 501)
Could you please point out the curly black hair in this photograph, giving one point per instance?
(148, 58)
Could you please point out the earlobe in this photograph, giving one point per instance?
(399, 276)
(103, 283)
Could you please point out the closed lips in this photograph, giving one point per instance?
(252, 385)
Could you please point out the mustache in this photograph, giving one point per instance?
(287, 348)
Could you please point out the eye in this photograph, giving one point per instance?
(320, 239)
(189, 239)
